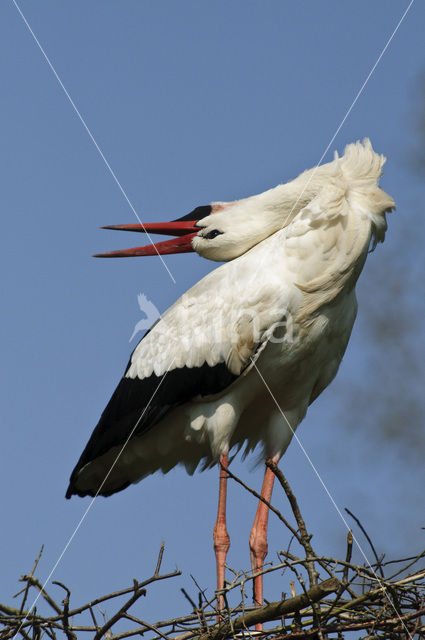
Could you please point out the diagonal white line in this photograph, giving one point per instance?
(309, 460)
(331, 498)
(83, 517)
(83, 122)
(341, 124)
(369, 75)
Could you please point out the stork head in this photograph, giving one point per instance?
(220, 232)
(231, 229)
(223, 231)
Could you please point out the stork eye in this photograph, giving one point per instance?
(212, 234)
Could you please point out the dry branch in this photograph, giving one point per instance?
(272, 611)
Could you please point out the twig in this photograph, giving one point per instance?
(10, 611)
(305, 537)
(348, 556)
(407, 566)
(159, 561)
(93, 617)
(378, 561)
(27, 586)
(65, 617)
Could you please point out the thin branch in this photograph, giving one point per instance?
(27, 586)
(304, 536)
(361, 527)
(348, 556)
(344, 584)
(159, 561)
(65, 615)
(259, 497)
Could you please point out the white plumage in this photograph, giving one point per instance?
(278, 313)
(287, 304)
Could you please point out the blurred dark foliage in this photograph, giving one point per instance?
(386, 394)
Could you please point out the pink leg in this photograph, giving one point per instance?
(258, 538)
(221, 537)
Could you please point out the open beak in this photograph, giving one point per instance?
(183, 230)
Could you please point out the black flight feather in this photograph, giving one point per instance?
(144, 403)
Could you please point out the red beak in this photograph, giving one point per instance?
(184, 230)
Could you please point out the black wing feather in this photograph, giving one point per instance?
(144, 403)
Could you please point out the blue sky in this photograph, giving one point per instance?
(190, 102)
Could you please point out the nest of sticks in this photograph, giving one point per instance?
(327, 598)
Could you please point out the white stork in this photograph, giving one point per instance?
(261, 335)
